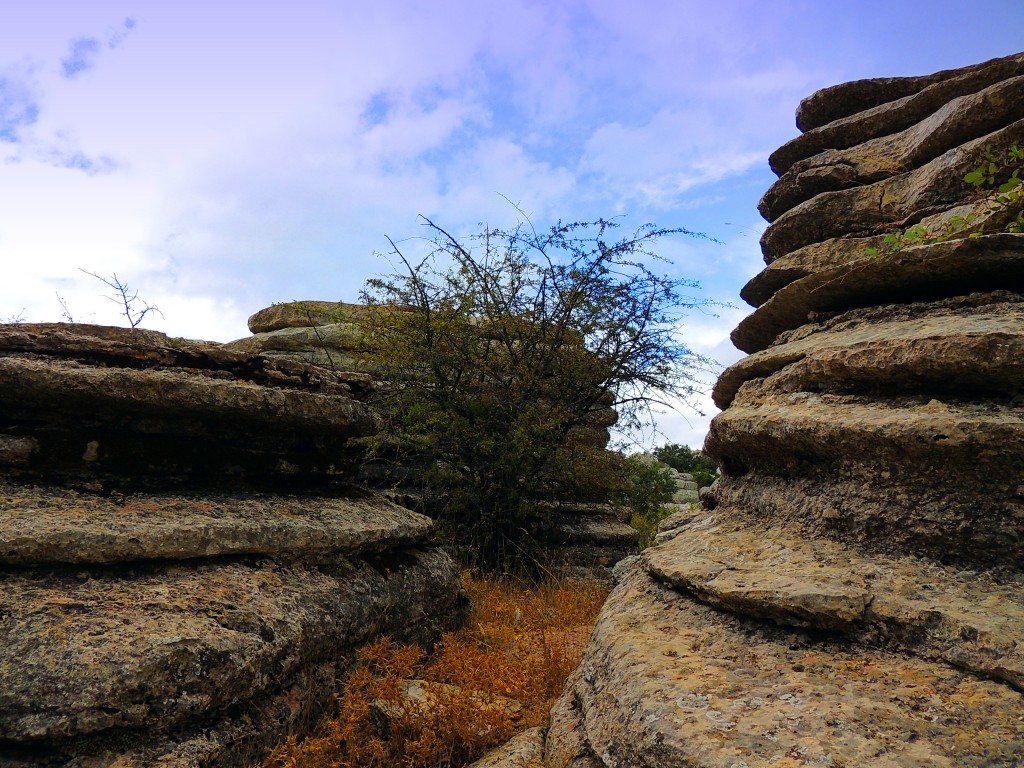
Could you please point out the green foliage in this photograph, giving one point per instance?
(502, 357)
(649, 486)
(682, 458)
(998, 179)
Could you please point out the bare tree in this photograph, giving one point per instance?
(133, 308)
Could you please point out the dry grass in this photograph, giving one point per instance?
(482, 685)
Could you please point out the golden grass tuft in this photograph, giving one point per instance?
(494, 678)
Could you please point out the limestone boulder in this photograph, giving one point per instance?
(109, 405)
(954, 123)
(895, 104)
(185, 577)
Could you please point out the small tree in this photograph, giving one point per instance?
(649, 487)
(132, 307)
(682, 458)
(504, 356)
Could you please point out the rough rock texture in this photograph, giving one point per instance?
(578, 535)
(171, 592)
(113, 405)
(851, 592)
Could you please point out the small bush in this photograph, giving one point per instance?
(649, 487)
(685, 459)
(496, 677)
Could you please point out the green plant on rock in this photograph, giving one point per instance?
(997, 178)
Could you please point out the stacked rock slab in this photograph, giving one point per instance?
(582, 535)
(851, 592)
(171, 593)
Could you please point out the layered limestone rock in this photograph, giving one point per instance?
(116, 406)
(171, 592)
(578, 533)
(851, 592)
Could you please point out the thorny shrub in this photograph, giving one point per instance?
(494, 678)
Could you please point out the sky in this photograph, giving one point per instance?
(220, 156)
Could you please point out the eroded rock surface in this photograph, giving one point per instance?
(185, 576)
(851, 592)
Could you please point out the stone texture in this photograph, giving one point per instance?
(41, 526)
(956, 122)
(303, 314)
(87, 654)
(112, 405)
(669, 681)
(957, 267)
(851, 590)
(185, 578)
(894, 112)
(523, 751)
(846, 99)
(893, 202)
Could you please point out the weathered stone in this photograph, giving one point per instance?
(669, 682)
(114, 406)
(196, 626)
(40, 526)
(965, 618)
(839, 101)
(956, 122)
(156, 646)
(17, 451)
(897, 201)
(334, 346)
(819, 257)
(32, 386)
(939, 348)
(920, 273)
(856, 121)
(523, 751)
(304, 314)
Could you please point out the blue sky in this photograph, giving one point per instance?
(220, 156)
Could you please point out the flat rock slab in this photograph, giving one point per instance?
(668, 682)
(523, 751)
(896, 201)
(153, 648)
(956, 267)
(980, 350)
(304, 314)
(827, 427)
(956, 122)
(31, 386)
(891, 108)
(40, 526)
(966, 618)
(839, 251)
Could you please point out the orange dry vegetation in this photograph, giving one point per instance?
(482, 685)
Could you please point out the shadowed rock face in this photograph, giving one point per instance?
(116, 407)
(852, 591)
(165, 596)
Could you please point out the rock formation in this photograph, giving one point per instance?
(184, 575)
(580, 534)
(851, 592)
